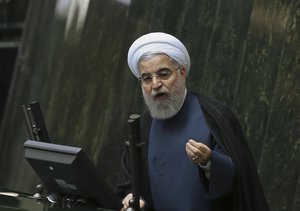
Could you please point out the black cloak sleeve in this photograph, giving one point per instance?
(247, 193)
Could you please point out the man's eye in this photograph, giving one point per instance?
(164, 74)
(146, 77)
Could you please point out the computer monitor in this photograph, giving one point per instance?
(67, 170)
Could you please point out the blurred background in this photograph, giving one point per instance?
(71, 57)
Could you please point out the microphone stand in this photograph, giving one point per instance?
(135, 160)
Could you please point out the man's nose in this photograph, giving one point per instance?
(156, 83)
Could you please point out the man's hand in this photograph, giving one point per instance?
(198, 153)
(126, 200)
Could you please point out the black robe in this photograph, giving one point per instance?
(247, 193)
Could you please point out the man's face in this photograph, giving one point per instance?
(164, 87)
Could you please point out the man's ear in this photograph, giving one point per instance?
(182, 72)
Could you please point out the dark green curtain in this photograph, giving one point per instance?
(245, 53)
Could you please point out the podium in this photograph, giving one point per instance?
(11, 200)
(69, 175)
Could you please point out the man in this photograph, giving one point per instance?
(196, 157)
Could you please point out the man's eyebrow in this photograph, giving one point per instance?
(162, 69)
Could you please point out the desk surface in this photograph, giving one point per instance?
(23, 202)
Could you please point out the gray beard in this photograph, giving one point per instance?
(169, 107)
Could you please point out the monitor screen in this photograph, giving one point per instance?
(67, 170)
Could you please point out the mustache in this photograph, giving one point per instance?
(157, 92)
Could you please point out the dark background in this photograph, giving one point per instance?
(73, 61)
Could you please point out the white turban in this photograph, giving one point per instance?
(157, 42)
